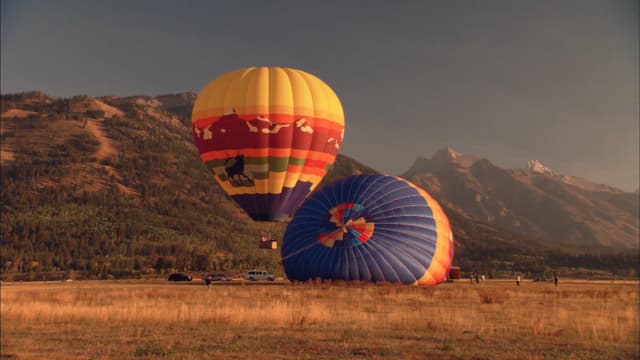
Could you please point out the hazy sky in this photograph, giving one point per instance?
(511, 81)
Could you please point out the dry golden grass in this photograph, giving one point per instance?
(280, 321)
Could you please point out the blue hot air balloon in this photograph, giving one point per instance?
(369, 228)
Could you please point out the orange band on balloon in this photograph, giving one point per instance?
(274, 152)
(320, 171)
(441, 260)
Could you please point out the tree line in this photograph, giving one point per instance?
(153, 208)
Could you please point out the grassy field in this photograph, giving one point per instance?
(153, 319)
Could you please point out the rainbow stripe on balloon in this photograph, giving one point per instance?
(349, 227)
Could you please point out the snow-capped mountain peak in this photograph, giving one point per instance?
(449, 156)
(452, 153)
(538, 167)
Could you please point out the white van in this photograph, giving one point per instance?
(254, 275)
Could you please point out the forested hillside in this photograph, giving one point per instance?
(114, 187)
(150, 205)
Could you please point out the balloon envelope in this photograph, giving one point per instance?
(369, 228)
(269, 135)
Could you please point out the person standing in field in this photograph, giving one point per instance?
(518, 280)
(555, 279)
(207, 280)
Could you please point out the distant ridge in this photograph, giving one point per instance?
(535, 201)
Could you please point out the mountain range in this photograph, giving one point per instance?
(534, 200)
(98, 184)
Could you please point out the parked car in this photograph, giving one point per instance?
(254, 275)
(219, 277)
(179, 277)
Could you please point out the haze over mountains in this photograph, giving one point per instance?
(110, 177)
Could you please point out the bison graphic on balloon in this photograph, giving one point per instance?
(269, 135)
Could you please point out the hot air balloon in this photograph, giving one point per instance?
(372, 228)
(269, 135)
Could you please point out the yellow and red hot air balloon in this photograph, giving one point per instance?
(269, 135)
